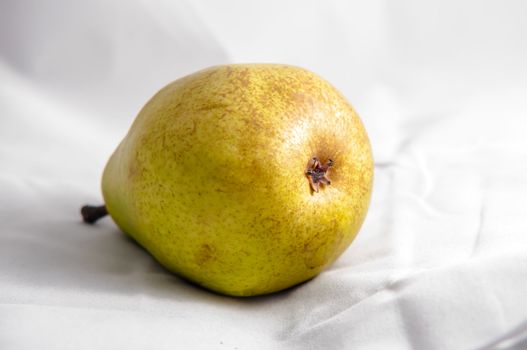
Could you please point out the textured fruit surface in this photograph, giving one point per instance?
(211, 178)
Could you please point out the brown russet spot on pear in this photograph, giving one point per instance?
(246, 179)
(205, 254)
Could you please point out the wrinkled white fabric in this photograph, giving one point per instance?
(441, 261)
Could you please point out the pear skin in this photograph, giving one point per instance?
(246, 179)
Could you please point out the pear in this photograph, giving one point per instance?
(245, 179)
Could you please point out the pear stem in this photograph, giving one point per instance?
(91, 213)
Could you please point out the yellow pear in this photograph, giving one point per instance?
(245, 179)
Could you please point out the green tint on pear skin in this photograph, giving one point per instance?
(245, 179)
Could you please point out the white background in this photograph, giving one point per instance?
(441, 261)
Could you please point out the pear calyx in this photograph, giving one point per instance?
(317, 173)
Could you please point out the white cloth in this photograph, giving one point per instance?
(441, 261)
